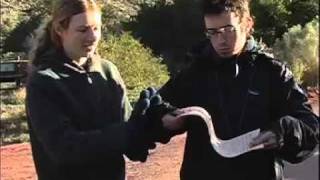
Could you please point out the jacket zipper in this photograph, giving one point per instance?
(244, 106)
(80, 70)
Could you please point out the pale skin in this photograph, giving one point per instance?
(227, 46)
(172, 122)
(82, 36)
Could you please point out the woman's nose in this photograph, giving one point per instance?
(92, 35)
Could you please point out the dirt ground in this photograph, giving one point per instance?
(162, 164)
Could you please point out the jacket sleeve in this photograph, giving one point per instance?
(297, 126)
(136, 145)
(64, 143)
(174, 91)
(112, 71)
(126, 105)
(172, 94)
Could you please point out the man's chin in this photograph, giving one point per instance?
(225, 54)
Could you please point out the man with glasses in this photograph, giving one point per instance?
(243, 89)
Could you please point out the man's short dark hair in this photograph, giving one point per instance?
(216, 7)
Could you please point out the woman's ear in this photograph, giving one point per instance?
(58, 29)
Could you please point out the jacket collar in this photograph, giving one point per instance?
(58, 58)
(205, 52)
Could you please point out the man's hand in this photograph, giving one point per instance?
(181, 119)
(171, 122)
(266, 139)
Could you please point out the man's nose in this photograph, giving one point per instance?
(220, 42)
(221, 38)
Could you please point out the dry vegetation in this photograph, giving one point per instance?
(14, 127)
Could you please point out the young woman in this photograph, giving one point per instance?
(76, 101)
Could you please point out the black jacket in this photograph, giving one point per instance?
(74, 115)
(259, 93)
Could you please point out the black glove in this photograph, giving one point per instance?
(295, 141)
(139, 127)
(158, 108)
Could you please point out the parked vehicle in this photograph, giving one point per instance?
(13, 71)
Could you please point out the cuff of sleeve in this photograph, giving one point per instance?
(155, 114)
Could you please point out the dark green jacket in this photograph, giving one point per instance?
(75, 115)
(241, 94)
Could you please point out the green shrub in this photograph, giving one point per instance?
(299, 48)
(137, 66)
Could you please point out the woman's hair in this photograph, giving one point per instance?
(216, 7)
(46, 35)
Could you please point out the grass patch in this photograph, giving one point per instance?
(13, 121)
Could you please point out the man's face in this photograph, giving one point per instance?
(81, 37)
(227, 33)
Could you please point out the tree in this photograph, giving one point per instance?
(16, 40)
(10, 17)
(18, 19)
(271, 19)
(115, 12)
(299, 48)
(169, 28)
(137, 65)
(274, 17)
(302, 11)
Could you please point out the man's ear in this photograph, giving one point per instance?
(249, 25)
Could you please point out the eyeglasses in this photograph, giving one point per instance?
(226, 31)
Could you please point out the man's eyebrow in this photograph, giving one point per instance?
(228, 25)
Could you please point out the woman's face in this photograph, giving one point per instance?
(81, 37)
